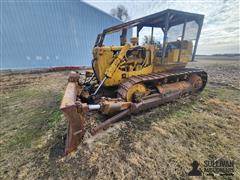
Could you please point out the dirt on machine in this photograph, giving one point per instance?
(135, 75)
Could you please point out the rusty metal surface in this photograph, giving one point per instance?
(196, 81)
(70, 108)
(69, 98)
(73, 77)
(154, 102)
(110, 121)
(160, 78)
(111, 106)
(75, 128)
(182, 86)
(71, 92)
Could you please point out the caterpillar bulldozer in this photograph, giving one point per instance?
(132, 77)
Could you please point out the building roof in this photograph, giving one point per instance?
(100, 10)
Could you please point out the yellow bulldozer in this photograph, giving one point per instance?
(136, 74)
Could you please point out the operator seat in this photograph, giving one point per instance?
(134, 41)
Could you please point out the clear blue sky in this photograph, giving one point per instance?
(220, 33)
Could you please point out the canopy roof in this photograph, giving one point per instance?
(169, 16)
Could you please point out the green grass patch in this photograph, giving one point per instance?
(224, 94)
(181, 113)
(55, 117)
(26, 115)
(23, 139)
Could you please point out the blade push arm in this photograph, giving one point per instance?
(113, 67)
(117, 61)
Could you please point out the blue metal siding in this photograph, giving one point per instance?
(44, 34)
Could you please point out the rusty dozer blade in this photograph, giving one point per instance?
(70, 107)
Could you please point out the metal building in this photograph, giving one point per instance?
(38, 34)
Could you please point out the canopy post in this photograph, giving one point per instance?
(200, 23)
(151, 42)
(101, 39)
(97, 40)
(138, 30)
(182, 38)
(123, 37)
(165, 30)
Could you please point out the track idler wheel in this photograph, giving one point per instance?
(196, 82)
(135, 93)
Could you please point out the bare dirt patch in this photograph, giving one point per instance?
(161, 142)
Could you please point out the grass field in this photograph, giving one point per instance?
(162, 142)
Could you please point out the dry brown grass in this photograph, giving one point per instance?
(159, 143)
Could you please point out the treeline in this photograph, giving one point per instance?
(232, 55)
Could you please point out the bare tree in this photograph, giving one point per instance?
(120, 12)
(148, 40)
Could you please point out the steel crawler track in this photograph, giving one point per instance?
(163, 78)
